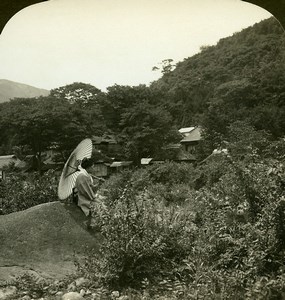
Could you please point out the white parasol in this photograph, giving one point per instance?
(70, 170)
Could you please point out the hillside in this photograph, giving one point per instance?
(240, 78)
(10, 89)
(43, 239)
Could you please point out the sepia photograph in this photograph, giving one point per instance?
(142, 150)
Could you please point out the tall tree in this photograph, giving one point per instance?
(43, 123)
(76, 92)
(120, 99)
(146, 130)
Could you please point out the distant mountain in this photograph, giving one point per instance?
(10, 89)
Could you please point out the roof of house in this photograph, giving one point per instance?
(186, 129)
(108, 139)
(5, 160)
(193, 136)
(50, 161)
(120, 164)
(171, 146)
(146, 161)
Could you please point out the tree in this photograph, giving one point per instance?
(244, 140)
(76, 92)
(146, 130)
(118, 100)
(241, 78)
(42, 123)
(83, 115)
(166, 66)
(30, 122)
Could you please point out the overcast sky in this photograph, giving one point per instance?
(107, 42)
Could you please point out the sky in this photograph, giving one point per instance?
(107, 42)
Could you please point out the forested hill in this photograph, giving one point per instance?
(242, 77)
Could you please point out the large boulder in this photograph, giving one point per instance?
(44, 240)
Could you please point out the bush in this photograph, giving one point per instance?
(171, 173)
(144, 238)
(216, 232)
(170, 182)
(241, 228)
(21, 191)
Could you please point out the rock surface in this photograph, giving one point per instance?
(43, 240)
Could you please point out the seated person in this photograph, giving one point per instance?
(86, 186)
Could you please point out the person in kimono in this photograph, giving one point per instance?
(86, 187)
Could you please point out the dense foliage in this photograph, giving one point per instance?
(215, 231)
(22, 191)
(240, 78)
(174, 231)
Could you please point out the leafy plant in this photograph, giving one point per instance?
(143, 238)
(21, 191)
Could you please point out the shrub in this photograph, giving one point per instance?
(143, 239)
(170, 194)
(21, 191)
(170, 182)
(215, 233)
(171, 173)
(241, 227)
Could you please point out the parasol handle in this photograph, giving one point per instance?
(74, 168)
(99, 178)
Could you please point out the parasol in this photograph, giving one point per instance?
(70, 170)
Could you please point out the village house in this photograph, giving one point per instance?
(8, 160)
(106, 154)
(191, 138)
(100, 168)
(29, 163)
(185, 150)
(120, 165)
(106, 143)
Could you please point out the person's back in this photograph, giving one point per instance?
(85, 186)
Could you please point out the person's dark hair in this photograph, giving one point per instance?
(87, 162)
